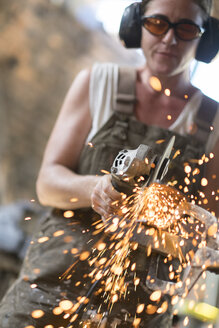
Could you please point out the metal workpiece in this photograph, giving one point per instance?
(205, 257)
(211, 233)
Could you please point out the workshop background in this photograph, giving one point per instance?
(43, 45)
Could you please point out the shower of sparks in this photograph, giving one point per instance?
(152, 211)
(158, 205)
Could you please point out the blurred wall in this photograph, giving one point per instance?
(215, 11)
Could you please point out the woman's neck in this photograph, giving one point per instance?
(178, 85)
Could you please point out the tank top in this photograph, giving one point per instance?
(104, 87)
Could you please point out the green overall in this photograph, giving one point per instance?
(59, 241)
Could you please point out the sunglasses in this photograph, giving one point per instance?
(185, 29)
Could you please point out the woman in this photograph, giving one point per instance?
(85, 139)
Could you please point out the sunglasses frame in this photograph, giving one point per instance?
(173, 25)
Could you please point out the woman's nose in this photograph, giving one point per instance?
(170, 37)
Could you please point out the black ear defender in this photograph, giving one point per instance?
(130, 26)
(208, 46)
(130, 33)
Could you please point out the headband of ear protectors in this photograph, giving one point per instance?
(130, 33)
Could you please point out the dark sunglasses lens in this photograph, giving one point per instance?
(187, 32)
(156, 26)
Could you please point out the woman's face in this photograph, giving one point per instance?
(166, 55)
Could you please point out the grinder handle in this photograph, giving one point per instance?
(121, 186)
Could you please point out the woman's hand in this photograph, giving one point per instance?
(104, 198)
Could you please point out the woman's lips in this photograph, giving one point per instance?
(166, 54)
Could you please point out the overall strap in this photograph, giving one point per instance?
(205, 118)
(125, 97)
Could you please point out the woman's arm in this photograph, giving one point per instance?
(57, 184)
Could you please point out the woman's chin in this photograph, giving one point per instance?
(165, 70)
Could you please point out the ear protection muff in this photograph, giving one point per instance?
(130, 26)
(208, 46)
(130, 33)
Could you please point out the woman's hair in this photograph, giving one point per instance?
(205, 5)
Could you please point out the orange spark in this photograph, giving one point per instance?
(68, 214)
(36, 314)
(155, 296)
(167, 92)
(155, 83)
(43, 240)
